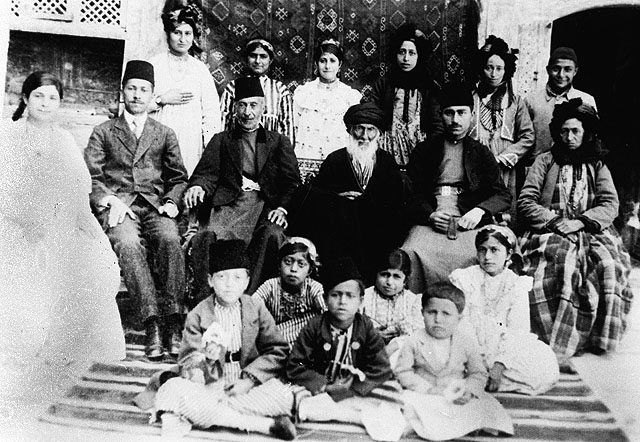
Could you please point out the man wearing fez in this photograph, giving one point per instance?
(138, 179)
(242, 187)
(456, 189)
(353, 206)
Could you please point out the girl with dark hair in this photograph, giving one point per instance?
(500, 118)
(581, 293)
(318, 108)
(406, 94)
(389, 303)
(60, 276)
(186, 98)
(294, 297)
(278, 102)
(497, 308)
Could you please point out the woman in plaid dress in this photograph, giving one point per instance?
(581, 293)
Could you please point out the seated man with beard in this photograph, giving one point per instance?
(352, 207)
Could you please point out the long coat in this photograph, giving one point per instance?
(120, 165)
(482, 186)
(314, 351)
(219, 171)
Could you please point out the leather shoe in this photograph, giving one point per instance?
(174, 335)
(153, 343)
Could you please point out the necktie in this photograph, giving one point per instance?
(137, 128)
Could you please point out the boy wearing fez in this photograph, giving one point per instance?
(230, 358)
(339, 356)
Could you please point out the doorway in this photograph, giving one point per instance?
(607, 42)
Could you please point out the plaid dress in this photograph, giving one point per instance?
(581, 293)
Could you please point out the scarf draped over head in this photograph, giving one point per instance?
(591, 148)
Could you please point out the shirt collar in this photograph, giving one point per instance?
(550, 95)
(139, 119)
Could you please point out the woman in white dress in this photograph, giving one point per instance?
(319, 106)
(186, 96)
(60, 276)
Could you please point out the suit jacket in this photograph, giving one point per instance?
(264, 349)
(314, 350)
(417, 370)
(482, 185)
(120, 165)
(219, 171)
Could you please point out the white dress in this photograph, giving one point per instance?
(497, 308)
(198, 120)
(320, 130)
(60, 275)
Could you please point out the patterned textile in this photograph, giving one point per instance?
(362, 27)
(278, 107)
(581, 293)
(229, 318)
(403, 136)
(291, 312)
(403, 311)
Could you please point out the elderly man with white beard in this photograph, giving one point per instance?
(353, 206)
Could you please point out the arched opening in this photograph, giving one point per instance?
(607, 41)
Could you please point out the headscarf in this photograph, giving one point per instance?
(591, 148)
(189, 15)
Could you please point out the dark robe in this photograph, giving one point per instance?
(366, 228)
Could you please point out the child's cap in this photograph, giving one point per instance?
(228, 254)
(338, 271)
(563, 53)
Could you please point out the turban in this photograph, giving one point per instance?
(365, 113)
(138, 69)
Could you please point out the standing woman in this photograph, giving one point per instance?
(59, 274)
(186, 98)
(406, 95)
(500, 118)
(581, 293)
(319, 106)
(278, 105)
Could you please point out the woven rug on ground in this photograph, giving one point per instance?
(102, 400)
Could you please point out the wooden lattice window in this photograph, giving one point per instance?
(106, 12)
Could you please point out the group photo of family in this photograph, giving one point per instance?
(389, 257)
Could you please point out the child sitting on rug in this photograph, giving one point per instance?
(294, 297)
(389, 304)
(230, 356)
(497, 307)
(443, 360)
(340, 357)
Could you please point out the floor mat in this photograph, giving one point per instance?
(102, 399)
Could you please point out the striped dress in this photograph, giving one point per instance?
(291, 312)
(278, 107)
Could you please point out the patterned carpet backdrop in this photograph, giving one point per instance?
(363, 27)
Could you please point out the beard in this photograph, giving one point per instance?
(363, 157)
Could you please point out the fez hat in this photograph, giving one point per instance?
(456, 94)
(138, 69)
(564, 53)
(338, 271)
(248, 87)
(228, 254)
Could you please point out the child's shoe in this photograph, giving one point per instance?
(283, 428)
(174, 426)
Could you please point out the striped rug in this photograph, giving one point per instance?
(102, 400)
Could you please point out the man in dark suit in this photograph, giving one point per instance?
(456, 189)
(243, 185)
(138, 179)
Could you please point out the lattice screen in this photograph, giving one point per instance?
(103, 12)
(106, 12)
